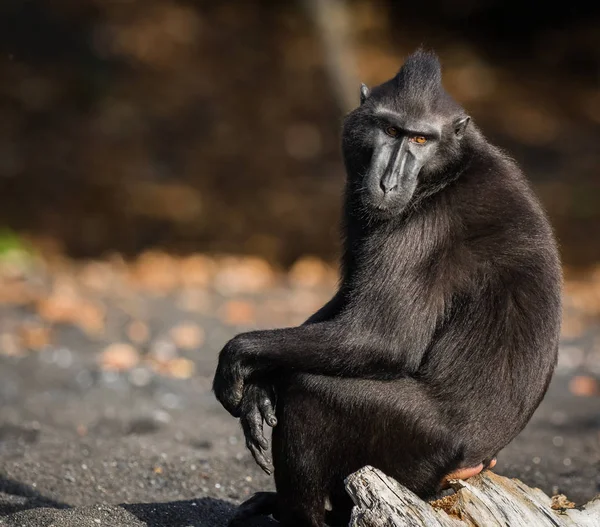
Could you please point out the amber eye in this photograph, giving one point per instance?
(391, 131)
(419, 139)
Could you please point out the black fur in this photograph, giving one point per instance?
(442, 338)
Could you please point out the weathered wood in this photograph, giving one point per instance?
(487, 500)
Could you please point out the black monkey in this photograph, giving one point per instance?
(443, 335)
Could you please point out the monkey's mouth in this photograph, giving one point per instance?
(390, 203)
(388, 206)
(386, 203)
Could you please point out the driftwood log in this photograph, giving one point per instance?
(487, 500)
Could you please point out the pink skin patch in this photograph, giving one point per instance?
(466, 473)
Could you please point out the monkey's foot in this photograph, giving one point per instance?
(261, 504)
(466, 473)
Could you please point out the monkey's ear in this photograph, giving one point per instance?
(460, 125)
(364, 93)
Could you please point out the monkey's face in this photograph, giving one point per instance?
(400, 150)
(402, 137)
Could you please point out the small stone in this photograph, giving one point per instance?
(90, 318)
(64, 305)
(96, 276)
(584, 386)
(197, 270)
(63, 357)
(57, 308)
(170, 400)
(187, 336)
(140, 376)
(238, 313)
(34, 336)
(558, 418)
(305, 302)
(242, 275)
(163, 350)
(138, 332)
(156, 272)
(311, 272)
(84, 379)
(16, 293)
(195, 300)
(119, 357)
(572, 327)
(10, 345)
(161, 416)
(181, 368)
(82, 430)
(570, 358)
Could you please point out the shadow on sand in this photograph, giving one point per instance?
(21, 504)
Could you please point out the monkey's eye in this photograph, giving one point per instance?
(419, 139)
(391, 131)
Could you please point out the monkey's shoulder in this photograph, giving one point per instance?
(494, 196)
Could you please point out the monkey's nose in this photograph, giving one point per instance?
(388, 187)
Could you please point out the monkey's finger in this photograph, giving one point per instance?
(260, 457)
(265, 407)
(252, 425)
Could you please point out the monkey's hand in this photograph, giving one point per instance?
(252, 402)
(257, 407)
(233, 371)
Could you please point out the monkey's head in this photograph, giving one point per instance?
(405, 137)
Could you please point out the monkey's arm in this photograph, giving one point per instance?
(258, 403)
(331, 348)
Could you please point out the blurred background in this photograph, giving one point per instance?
(214, 126)
(170, 175)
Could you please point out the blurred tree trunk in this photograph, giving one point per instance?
(332, 21)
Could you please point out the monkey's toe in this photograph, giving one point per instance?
(462, 473)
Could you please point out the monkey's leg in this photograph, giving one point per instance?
(300, 475)
(330, 427)
(260, 504)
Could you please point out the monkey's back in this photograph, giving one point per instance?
(493, 356)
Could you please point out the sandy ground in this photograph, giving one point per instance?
(84, 446)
